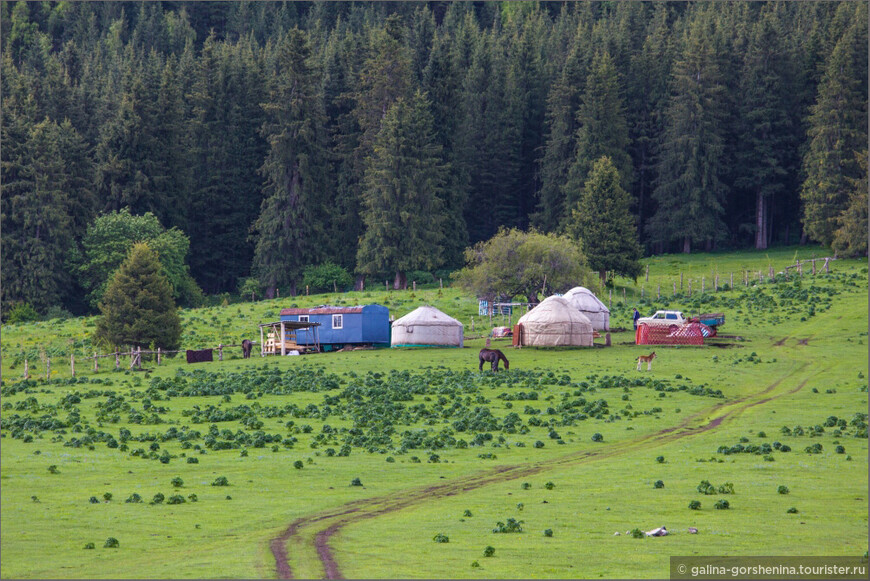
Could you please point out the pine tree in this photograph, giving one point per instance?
(765, 128)
(563, 102)
(602, 129)
(403, 212)
(690, 191)
(602, 221)
(838, 129)
(851, 236)
(289, 230)
(137, 308)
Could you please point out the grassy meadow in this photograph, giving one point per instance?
(377, 452)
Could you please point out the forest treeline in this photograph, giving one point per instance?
(388, 137)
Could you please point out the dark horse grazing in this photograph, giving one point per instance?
(246, 348)
(493, 356)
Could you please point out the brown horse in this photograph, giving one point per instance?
(493, 356)
(246, 348)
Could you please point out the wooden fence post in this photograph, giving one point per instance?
(472, 324)
(681, 281)
(277, 293)
(414, 285)
(47, 368)
(139, 359)
(814, 267)
(72, 364)
(610, 299)
(716, 283)
(334, 287)
(658, 291)
(623, 295)
(731, 286)
(675, 288)
(827, 268)
(703, 281)
(96, 367)
(306, 290)
(158, 357)
(641, 291)
(26, 370)
(117, 361)
(440, 283)
(690, 288)
(220, 351)
(647, 273)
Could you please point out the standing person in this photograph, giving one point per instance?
(636, 317)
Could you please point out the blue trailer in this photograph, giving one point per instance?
(367, 325)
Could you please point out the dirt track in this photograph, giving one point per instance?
(364, 509)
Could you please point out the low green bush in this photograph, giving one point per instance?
(695, 505)
(782, 489)
(658, 484)
(298, 464)
(134, 498)
(89, 546)
(549, 486)
(637, 534)
(221, 481)
(722, 504)
(441, 538)
(177, 482)
(548, 532)
(511, 526)
(356, 482)
(489, 551)
(111, 543)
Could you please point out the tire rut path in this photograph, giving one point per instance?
(364, 509)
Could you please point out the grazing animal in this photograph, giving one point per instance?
(493, 356)
(646, 359)
(246, 348)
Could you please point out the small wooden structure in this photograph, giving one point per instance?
(271, 334)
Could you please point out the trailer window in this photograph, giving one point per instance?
(303, 318)
(337, 322)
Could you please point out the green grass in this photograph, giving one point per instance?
(600, 487)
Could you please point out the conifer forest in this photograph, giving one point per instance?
(253, 140)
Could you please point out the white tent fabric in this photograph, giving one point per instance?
(585, 301)
(426, 326)
(555, 322)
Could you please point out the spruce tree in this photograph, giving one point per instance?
(850, 238)
(837, 130)
(289, 230)
(403, 213)
(690, 191)
(602, 221)
(602, 129)
(137, 308)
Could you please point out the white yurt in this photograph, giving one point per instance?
(585, 301)
(554, 322)
(426, 327)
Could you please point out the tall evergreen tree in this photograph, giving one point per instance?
(402, 197)
(690, 192)
(838, 129)
(602, 129)
(602, 221)
(289, 230)
(765, 131)
(137, 308)
(851, 236)
(559, 150)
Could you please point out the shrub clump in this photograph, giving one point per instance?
(467, 513)
(111, 543)
(489, 551)
(721, 504)
(298, 464)
(549, 486)
(658, 484)
(134, 498)
(706, 488)
(441, 538)
(158, 498)
(526, 486)
(548, 532)
(660, 459)
(511, 526)
(177, 482)
(221, 481)
(792, 510)
(89, 546)
(176, 499)
(596, 437)
(637, 534)
(782, 489)
(356, 482)
(695, 505)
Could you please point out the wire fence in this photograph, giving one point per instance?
(134, 355)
